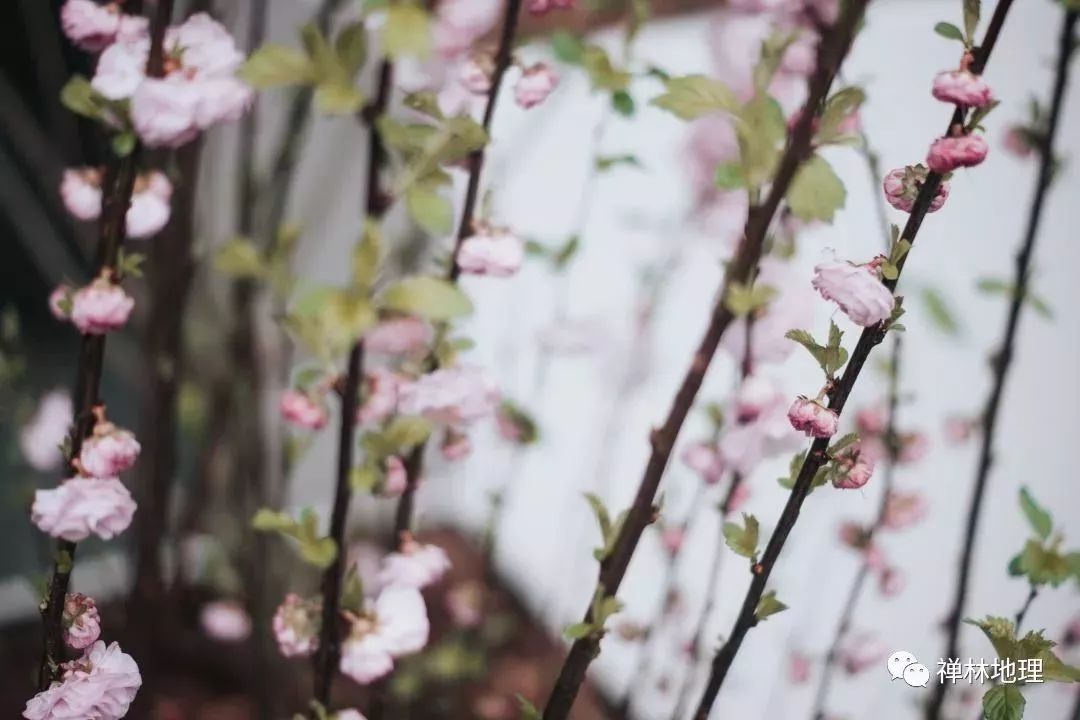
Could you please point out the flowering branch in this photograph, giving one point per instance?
(1004, 357)
(838, 393)
(832, 49)
(117, 187)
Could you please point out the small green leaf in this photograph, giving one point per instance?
(276, 65)
(603, 75)
(240, 258)
(429, 297)
(367, 257)
(364, 479)
(321, 552)
(528, 710)
(1003, 702)
(577, 631)
(567, 48)
(337, 97)
(950, 31)
(406, 432)
(729, 176)
(81, 98)
(123, 144)
(817, 192)
(407, 32)
(743, 539)
(1044, 565)
(972, 9)
(430, 210)
(838, 108)
(938, 309)
(768, 605)
(606, 162)
(623, 103)
(352, 593)
(351, 46)
(425, 102)
(603, 519)
(1037, 517)
(1015, 569)
(692, 96)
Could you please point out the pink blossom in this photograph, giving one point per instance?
(163, 111)
(903, 509)
(80, 507)
(396, 625)
(962, 87)
(959, 429)
(415, 565)
(60, 302)
(100, 307)
(150, 208)
(301, 410)
(475, 73)
(225, 620)
(121, 68)
(455, 445)
(704, 459)
(80, 189)
(739, 495)
(799, 667)
(902, 186)
(871, 420)
(491, 251)
(536, 82)
(792, 307)
(464, 602)
(948, 153)
(913, 447)
(861, 653)
(396, 479)
(100, 685)
(857, 289)
(812, 418)
(852, 468)
(744, 445)
(41, 437)
(671, 538)
(348, 714)
(296, 626)
(406, 335)
(1019, 141)
(93, 27)
(81, 621)
(459, 23)
(108, 452)
(755, 394)
(891, 582)
(540, 7)
(380, 396)
(452, 396)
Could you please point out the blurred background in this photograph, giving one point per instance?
(592, 351)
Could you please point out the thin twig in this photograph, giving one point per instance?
(1033, 592)
(838, 395)
(832, 49)
(1004, 357)
(117, 186)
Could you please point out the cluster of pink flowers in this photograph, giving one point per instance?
(491, 250)
(812, 418)
(101, 684)
(303, 410)
(903, 184)
(877, 444)
(296, 625)
(80, 190)
(453, 396)
(851, 468)
(95, 502)
(95, 309)
(959, 148)
(857, 289)
(81, 621)
(93, 27)
(761, 428)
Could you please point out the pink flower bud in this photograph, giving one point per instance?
(406, 335)
(60, 302)
(671, 538)
(80, 189)
(415, 565)
(870, 421)
(91, 26)
(962, 87)
(857, 289)
(396, 478)
(902, 186)
(300, 410)
(535, 84)
(100, 307)
(108, 452)
(812, 418)
(101, 684)
(902, 510)
(854, 535)
(82, 624)
(799, 667)
(959, 429)
(891, 582)
(380, 397)
(491, 251)
(464, 602)
(739, 495)
(80, 507)
(861, 653)
(1019, 141)
(852, 468)
(296, 626)
(225, 620)
(476, 73)
(704, 459)
(540, 7)
(948, 153)
(455, 445)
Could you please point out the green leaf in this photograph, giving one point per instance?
(266, 519)
(1043, 565)
(346, 317)
(603, 519)
(430, 210)
(528, 710)
(577, 631)
(367, 257)
(364, 479)
(326, 65)
(606, 162)
(1014, 568)
(838, 108)
(602, 73)
(938, 309)
(337, 97)
(425, 102)
(742, 300)
(743, 539)
(567, 48)
(623, 103)
(816, 192)
(429, 297)
(1003, 702)
(81, 98)
(276, 65)
(950, 31)
(971, 19)
(351, 46)
(761, 130)
(352, 593)
(406, 432)
(1001, 633)
(240, 258)
(729, 176)
(123, 144)
(407, 32)
(566, 252)
(768, 605)
(692, 96)
(321, 552)
(1037, 517)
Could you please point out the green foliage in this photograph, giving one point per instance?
(367, 257)
(768, 605)
(129, 264)
(429, 297)
(743, 539)
(742, 300)
(559, 256)
(407, 31)
(1039, 519)
(1043, 564)
(313, 549)
(567, 48)
(816, 192)
(425, 147)
(81, 98)
(123, 144)
(1003, 702)
(937, 309)
(606, 162)
(523, 421)
(602, 72)
(274, 65)
(838, 108)
(609, 531)
(971, 20)
(831, 357)
(528, 710)
(949, 31)
(1034, 645)
(240, 258)
(429, 209)
(692, 96)
(997, 286)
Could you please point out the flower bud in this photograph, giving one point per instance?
(100, 307)
(962, 87)
(535, 84)
(81, 622)
(857, 289)
(300, 410)
(902, 186)
(948, 153)
(812, 418)
(109, 451)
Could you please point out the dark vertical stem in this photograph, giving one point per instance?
(816, 456)
(1075, 714)
(831, 51)
(1033, 592)
(1003, 360)
(117, 186)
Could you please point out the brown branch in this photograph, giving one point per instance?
(838, 395)
(1003, 359)
(117, 186)
(831, 51)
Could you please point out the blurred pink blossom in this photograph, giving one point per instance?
(452, 396)
(296, 625)
(99, 685)
(396, 625)
(81, 621)
(415, 565)
(225, 620)
(41, 437)
(80, 507)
